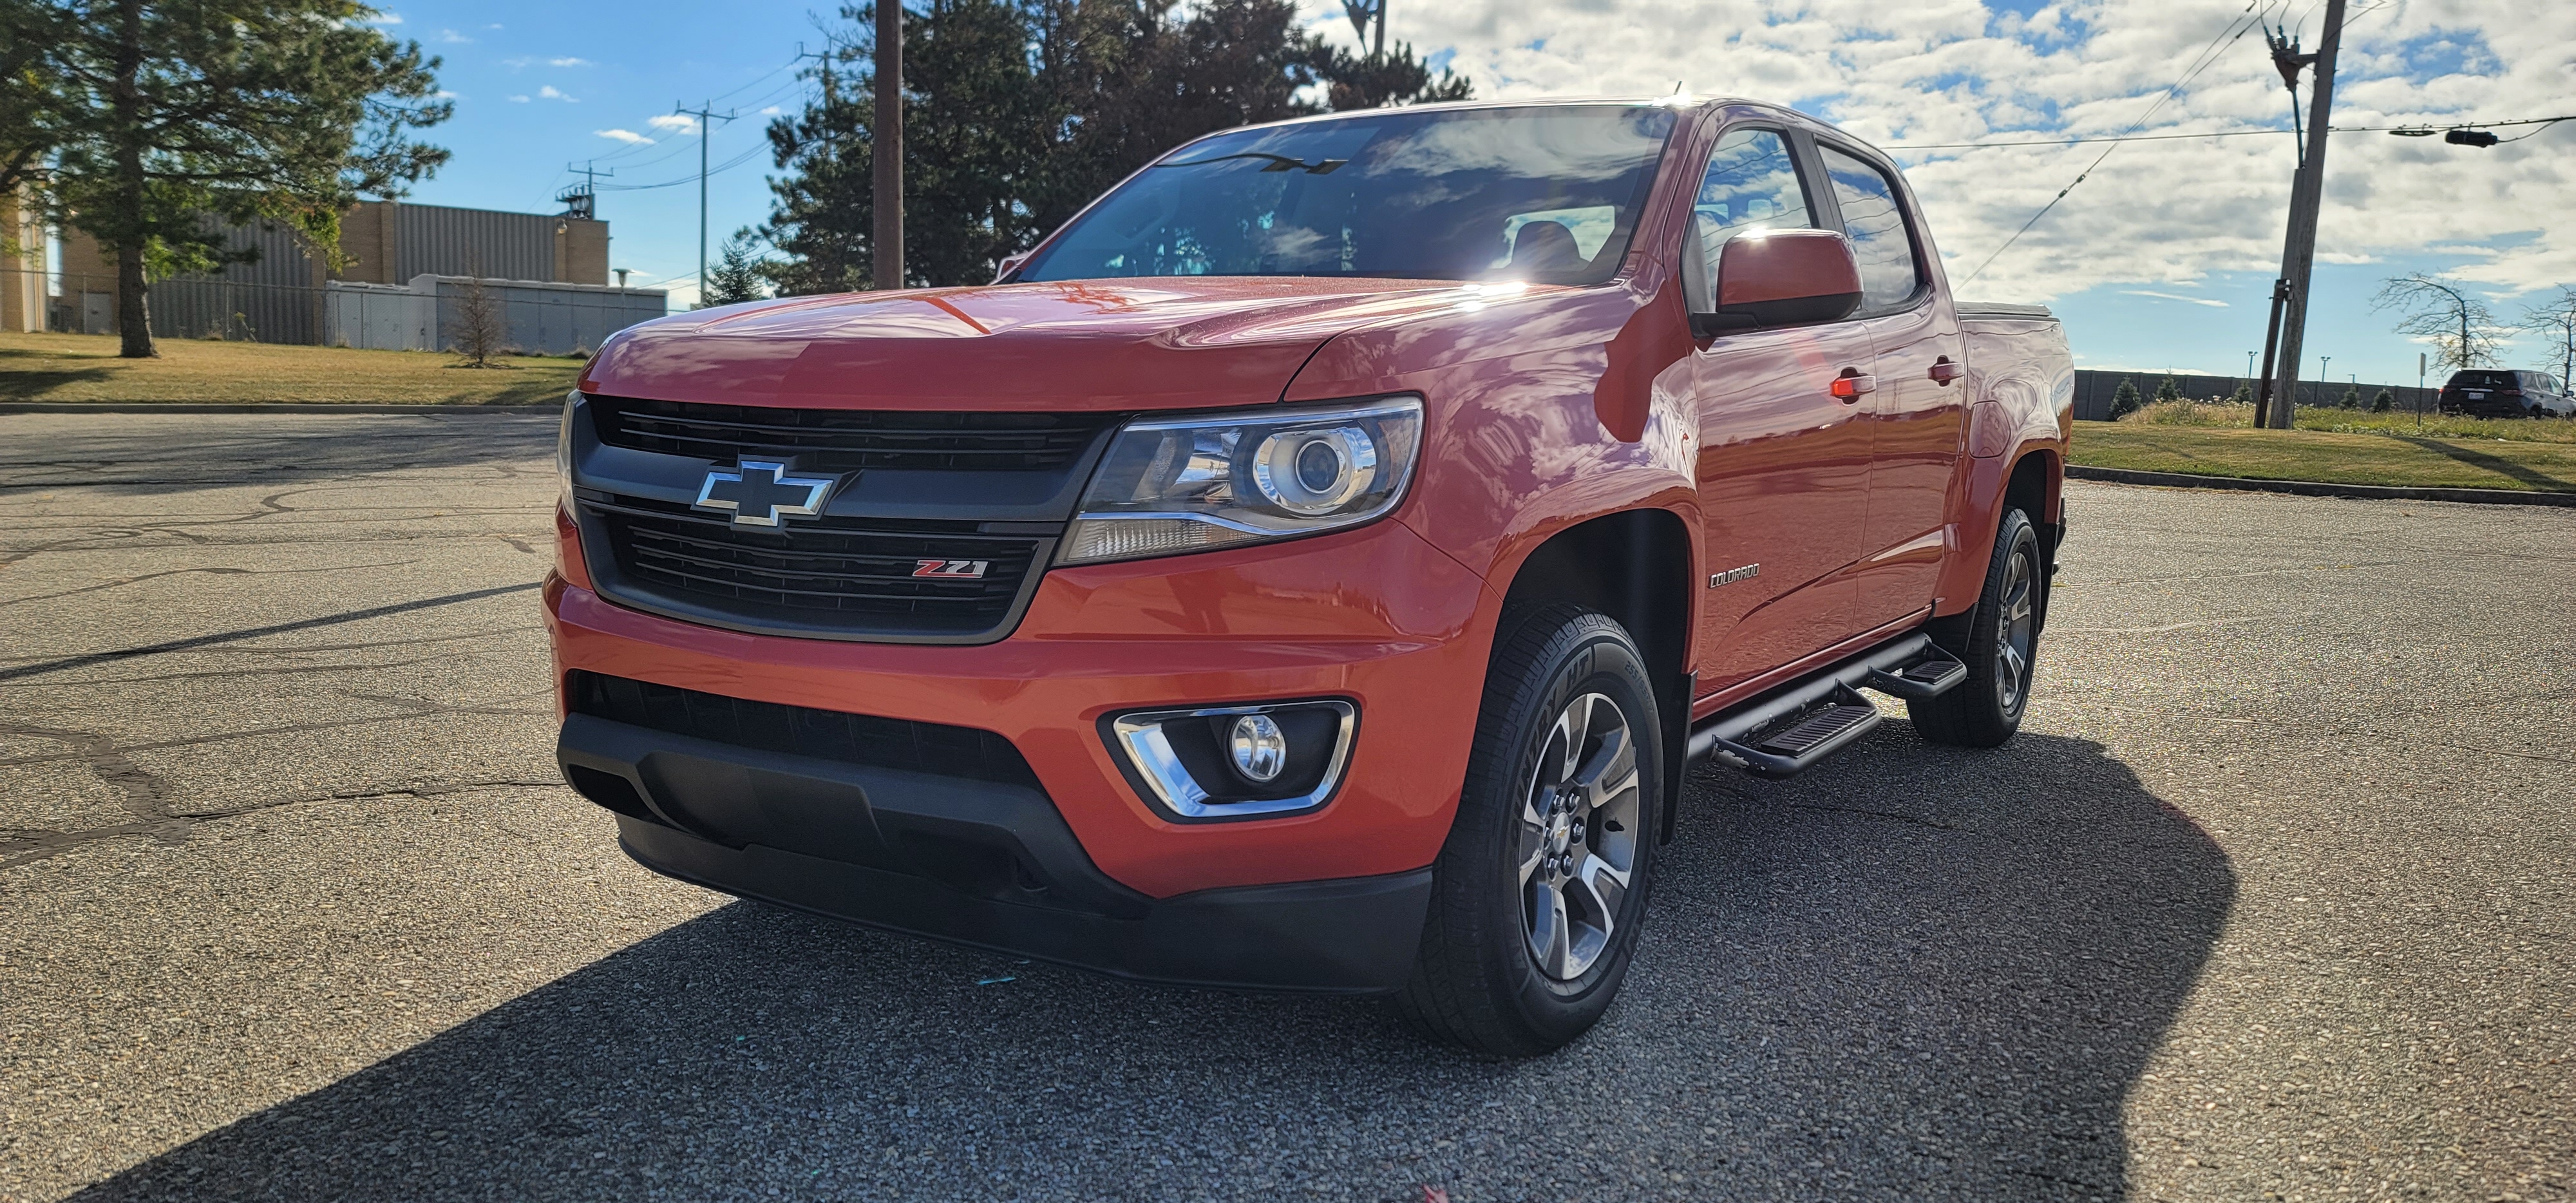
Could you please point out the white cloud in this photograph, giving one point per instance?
(444, 94)
(454, 38)
(2154, 213)
(517, 62)
(568, 61)
(771, 111)
(521, 99)
(627, 136)
(385, 19)
(548, 92)
(677, 123)
(2167, 296)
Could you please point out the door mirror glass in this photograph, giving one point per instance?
(1782, 278)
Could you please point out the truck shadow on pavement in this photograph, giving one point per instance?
(1915, 972)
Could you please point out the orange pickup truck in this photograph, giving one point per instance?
(1312, 567)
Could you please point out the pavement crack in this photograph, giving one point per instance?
(143, 794)
(134, 580)
(176, 645)
(21, 846)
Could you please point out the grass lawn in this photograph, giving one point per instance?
(84, 367)
(2392, 458)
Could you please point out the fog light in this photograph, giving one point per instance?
(1260, 751)
(1230, 762)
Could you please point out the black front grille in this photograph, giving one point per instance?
(851, 576)
(835, 440)
(888, 743)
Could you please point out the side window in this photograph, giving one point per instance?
(1876, 224)
(1752, 183)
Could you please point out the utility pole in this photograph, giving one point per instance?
(2299, 250)
(706, 132)
(1368, 15)
(582, 199)
(887, 247)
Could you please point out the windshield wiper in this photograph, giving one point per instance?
(1276, 163)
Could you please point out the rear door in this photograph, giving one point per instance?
(1783, 465)
(1917, 416)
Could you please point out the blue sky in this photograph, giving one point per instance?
(2161, 258)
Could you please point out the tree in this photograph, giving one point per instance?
(2555, 322)
(2383, 401)
(2459, 326)
(1376, 81)
(1018, 112)
(480, 323)
(2244, 394)
(737, 275)
(2167, 392)
(163, 115)
(2124, 399)
(30, 110)
(2351, 398)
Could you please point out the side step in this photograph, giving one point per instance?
(1789, 729)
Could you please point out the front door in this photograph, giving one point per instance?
(1783, 465)
(1917, 417)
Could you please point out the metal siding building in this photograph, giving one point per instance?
(439, 241)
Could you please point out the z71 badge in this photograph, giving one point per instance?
(952, 570)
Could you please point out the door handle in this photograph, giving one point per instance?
(1852, 386)
(1944, 371)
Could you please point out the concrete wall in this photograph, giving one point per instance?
(546, 317)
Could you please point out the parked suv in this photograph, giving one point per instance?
(1313, 566)
(2486, 394)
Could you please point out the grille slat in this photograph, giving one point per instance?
(826, 440)
(802, 730)
(807, 573)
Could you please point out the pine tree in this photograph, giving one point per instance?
(2351, 398)
(162, 114)
(2167, 392)
(2244, 394)
(736, 277)
(2124, 400)
(2385, 401)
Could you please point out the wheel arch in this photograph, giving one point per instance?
(1635, 566)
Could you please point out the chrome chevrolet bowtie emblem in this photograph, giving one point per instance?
(759, 493)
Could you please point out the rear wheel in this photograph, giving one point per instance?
(1999, 642)
(1539, 892)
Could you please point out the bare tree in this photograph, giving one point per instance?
(2461, 327)
(478, 325)
(2555, 321)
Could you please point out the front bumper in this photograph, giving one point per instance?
(987, 864)
(1373, 615)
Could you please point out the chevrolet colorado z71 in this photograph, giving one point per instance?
(1312, 567)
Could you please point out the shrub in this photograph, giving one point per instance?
(2125, 399)
(2244, 394)
(2384, 402)
(2167, 392)
(2351, 398)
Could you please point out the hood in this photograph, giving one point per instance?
(1142, 344)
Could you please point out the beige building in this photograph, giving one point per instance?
(278, 298)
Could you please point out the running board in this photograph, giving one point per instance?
(1789, 729)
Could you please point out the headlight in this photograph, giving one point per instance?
(1171, 485)
(563, 449)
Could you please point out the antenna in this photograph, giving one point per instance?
(582, 199)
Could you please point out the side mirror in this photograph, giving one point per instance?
(1774, 278)
(1010, 263)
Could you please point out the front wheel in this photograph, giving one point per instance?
(1539, 892)
(1999, 641)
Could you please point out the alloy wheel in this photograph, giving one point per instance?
(1578, 836)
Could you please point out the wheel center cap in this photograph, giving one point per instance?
(1560, 834)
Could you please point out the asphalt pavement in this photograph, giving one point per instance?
(2272, 898)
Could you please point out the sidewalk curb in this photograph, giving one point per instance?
(263, 407)
(2313, 488)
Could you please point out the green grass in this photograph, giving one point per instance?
(2360, 421)
(85, 367)
(2395, 457)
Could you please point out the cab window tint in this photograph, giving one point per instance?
(1876, 224)
(1751, 184)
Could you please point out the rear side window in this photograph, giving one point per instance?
(1876, 224)
(2483, 380)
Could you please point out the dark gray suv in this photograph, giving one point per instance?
(2498, 394)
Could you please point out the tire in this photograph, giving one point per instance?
(1518, 956)
(1999, 642)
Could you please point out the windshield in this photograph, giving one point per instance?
(1547, 195)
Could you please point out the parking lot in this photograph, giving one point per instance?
(2272, 898)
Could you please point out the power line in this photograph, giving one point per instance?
(2200, 62)
(2418, 130)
